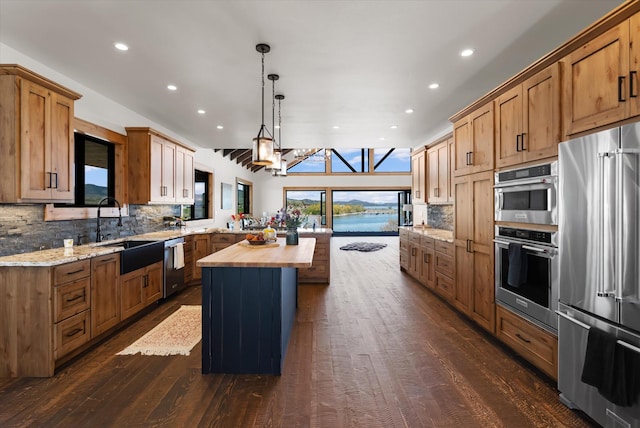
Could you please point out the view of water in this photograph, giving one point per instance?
(364, 222)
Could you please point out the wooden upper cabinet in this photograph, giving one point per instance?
(36, 138)
(597, 83)
(473, 136)
(160, 170)
(185, 176)
(418, 177)
(438, 170)
(528, 119)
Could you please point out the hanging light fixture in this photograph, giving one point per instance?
(282, 172)
(277, 154)
(262, 145)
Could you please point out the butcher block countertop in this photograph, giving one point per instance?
(298, 256)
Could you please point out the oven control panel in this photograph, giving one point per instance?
(526, 234)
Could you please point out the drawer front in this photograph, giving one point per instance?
(71, 271)
(444, 264)
(316, 273)
(404, 233)
(71, 333)
(444, 285)
(415, 238)
(321, 252)
(426, 242)
(71, 298)
(533, 343)
(226, 238)
(444, 248)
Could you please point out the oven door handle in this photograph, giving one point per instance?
(526, 182)
(524, 246)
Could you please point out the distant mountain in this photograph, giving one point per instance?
(351, 202)
(93, 193)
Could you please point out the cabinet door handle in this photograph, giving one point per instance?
(426, 257)
(74, 332)
(413, 251)
(469, 241)
(55, 175)
(620, 88)
(50, 174)
(75, 271)
(107, 260)
(79, 296)
(632, 78)
(524, 339)
(518, 142)
(522, 141)
(417, 193)
(185, 193)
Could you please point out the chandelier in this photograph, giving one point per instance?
(312, 155)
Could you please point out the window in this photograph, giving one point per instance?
(312, 203)
(94, 170)
(200, 208)
(350, 160)
(244, 197)
(370, 212)
(392, 160)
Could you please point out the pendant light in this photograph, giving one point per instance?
(282, 172)
(262, 145)
(276, 156)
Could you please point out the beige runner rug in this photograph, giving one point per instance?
(176, 335)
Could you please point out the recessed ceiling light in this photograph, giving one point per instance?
(434, 86)
(277, 127)
(220, 127)
(172, 87)
(121, 46)
(409, 111)
(394, 127)
(466, 52)
(201, 111)
(336, 127)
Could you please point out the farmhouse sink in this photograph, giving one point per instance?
(138, 254)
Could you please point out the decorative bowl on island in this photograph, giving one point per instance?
(256, 242)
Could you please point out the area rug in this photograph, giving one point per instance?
(363, 246)
(176, 335)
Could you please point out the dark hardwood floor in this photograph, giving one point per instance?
(373, 349)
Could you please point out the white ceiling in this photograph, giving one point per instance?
(355, 64)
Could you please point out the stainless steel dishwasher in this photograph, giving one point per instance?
(173, 266)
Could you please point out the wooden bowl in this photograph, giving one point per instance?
(257, 242)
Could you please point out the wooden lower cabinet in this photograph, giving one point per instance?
(105, 293)
(533, 343)
(189, 261)
(444, 272)
(140, 288)
(320, 270)
(201, 248)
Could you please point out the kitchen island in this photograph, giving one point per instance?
(249, 299)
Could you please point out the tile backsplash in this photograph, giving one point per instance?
(23, 229)
(436, 216)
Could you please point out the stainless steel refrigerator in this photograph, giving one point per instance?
(599, 241)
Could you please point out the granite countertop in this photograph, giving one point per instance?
(58, 256)
(439, 234)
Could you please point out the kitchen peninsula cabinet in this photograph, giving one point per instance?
(140, 288)
(36, 138)
(473, 239)
(600, 79)
(473, 137)
(161, 170)
(418, 176)
(438, 173)
(528, 119)
(105, 293)
(428, 258)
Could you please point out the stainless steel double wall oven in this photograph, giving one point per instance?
(527, 195)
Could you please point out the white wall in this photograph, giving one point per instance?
(99, 109)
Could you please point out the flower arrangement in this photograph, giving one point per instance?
(290, 217)
(237, 217)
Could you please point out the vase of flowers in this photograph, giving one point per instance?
(237, 221)
(292, 218)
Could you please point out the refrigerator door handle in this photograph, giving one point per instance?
(628, 346)
(573, 320)
(600, 291)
